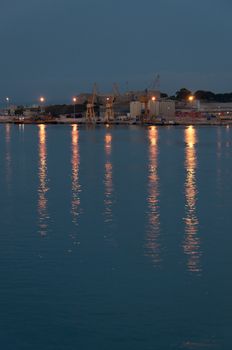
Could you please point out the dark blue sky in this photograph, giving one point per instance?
(60, 47)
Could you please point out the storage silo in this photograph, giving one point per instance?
(153, 107)
(135, 109)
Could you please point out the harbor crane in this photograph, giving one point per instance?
(144, 99)
(90, 111)
(109, 111)
(116, 90)
(109, 103)
(155, 85)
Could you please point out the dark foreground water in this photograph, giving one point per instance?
(115, 238)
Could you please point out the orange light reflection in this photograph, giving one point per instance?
(76, 188)
(43, 182)
(108, 178)
(192, 241)
(153, 246)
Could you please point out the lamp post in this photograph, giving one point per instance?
(191, 99)
(7, 104)
(42, 100)
(74, 105)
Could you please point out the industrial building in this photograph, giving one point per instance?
(155, 109)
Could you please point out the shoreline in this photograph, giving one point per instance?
(117, 123)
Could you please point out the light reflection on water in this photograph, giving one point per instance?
(43, 182)
(96, 278)
(76, 188)
(108, 191)
(152, 247)
(192, 241)
(108, 180)
(8, 154)
(219, 156)
(21, 127)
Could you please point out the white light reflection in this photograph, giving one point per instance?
(21, 127)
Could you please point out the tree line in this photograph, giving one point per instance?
(202, 95)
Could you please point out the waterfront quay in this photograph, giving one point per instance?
(127, 121)
(137, 108)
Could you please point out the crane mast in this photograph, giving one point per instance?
(109, 112)
(90, 112)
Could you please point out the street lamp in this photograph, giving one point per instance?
(7, 104)
(153, 98)
(191, 98)
(74, 105)
(42, 100)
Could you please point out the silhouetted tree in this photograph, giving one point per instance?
(183, 94)
(19, 110)
(210, 96)
(163, 95)
(205, 95)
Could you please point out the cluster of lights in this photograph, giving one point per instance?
(42, 100)
(74, 99)
(191, 98)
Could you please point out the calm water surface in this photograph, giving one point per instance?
(115, 238)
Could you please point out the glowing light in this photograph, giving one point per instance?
(191, 98)
(190, 136)
(153, 135)
(74, 127)
(74, 99)
(153, 98)
(108, 143)
(42, 99)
